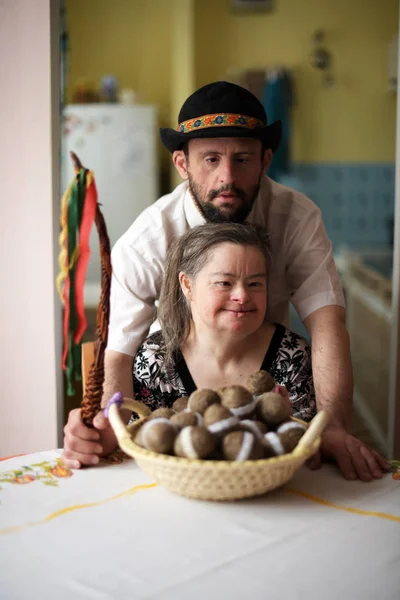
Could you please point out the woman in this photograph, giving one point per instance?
(213, 333)
(211, 311)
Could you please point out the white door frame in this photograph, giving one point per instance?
(394, 393)
(30, 311)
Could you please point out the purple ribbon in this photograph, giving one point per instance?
(117, 399)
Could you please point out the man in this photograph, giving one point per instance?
(222, 149)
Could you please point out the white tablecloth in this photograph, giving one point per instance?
(110, 533)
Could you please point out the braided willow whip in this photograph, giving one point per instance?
(93, 391)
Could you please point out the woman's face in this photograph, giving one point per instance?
(229, 294)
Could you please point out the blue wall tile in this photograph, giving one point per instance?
(356, 200)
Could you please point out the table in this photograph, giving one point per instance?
(109, 532)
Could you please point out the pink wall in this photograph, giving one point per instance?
(30, 382)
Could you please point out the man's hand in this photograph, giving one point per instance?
(355, 459)
(84, 445)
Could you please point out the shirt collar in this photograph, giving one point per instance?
(258, 212)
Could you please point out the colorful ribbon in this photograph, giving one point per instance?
(78, 211)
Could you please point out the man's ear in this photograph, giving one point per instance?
(268, 154)
(186, 285)
(180, 162)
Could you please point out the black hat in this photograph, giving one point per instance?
(222, 109)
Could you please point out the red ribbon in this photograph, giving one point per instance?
(88, 216)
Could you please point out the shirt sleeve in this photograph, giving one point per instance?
(135, 286)
(311, 271)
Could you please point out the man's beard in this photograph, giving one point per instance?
(214, 214)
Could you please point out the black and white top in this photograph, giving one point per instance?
(288, 360)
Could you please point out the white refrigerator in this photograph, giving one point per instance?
(118, 143)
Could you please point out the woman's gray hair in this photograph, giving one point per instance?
(189, 254)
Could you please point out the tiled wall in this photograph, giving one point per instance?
(356, 200)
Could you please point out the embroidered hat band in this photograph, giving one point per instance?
(220, 120)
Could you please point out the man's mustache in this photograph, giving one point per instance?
(227, 189)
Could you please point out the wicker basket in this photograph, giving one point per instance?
(212, 479)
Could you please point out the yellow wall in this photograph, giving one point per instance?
(146, 45)
(355, 120)
(182, 64)
(130, 39)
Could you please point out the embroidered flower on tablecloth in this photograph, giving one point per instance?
(22, 479)
(61, 471)
(395, 469)
(51, 472)
(47, 472)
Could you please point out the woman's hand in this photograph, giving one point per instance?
(84, 445)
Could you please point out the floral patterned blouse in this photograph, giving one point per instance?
(288, 360)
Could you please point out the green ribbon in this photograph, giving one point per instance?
(75, 211)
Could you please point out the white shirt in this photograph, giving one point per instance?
(302, 270)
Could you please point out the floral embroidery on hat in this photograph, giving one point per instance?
(220, 120)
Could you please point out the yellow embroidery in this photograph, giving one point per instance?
(68, 509)
(356, 511)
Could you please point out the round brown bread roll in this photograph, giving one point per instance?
(219, 420)
(290, 434)
(260, 382)
(185, 418)
(239, 401)
(180, 404)
(241, 446)
(199, 400)
(138, 438)
(162, 413)
(194, 442)
(273, 445)
(258, 428)
(273, 408)
(158, 435)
